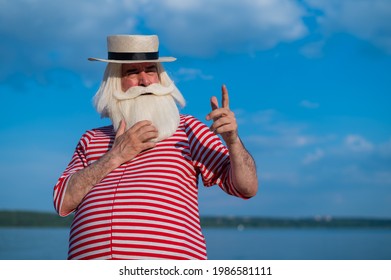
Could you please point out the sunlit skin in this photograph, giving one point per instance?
(138, 74)
(224, 121)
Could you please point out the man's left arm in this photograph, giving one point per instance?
(244, 174)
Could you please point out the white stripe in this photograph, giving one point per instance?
(74, 244)
(135, 251)
(194, 235)
(119, 197)
(160, 237)
(103, 225)
(143, 190)
(166, 245)
(85, 215)
(166, 205)
(163, 215)
(95, 252)
(165, 164)
(190, 192)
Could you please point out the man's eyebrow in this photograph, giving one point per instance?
(151, 67)
(135, 70)
(130, 70)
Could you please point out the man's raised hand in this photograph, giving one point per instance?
(224, 121)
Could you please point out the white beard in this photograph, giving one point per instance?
(158, 106)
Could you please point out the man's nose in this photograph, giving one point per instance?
(143, 79)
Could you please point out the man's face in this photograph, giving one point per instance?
(138, 74)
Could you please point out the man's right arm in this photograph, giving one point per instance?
(81, 182)
(127, 145)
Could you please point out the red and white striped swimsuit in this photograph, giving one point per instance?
(148, 207)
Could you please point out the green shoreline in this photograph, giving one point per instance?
(9, 218)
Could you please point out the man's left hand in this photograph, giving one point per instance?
(224, 121)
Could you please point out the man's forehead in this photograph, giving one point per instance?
(137, 65)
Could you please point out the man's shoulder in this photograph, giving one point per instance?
(107, 128)
(99, 132)
(191, 122)
(189, 119)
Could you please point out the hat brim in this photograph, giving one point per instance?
(160, 59)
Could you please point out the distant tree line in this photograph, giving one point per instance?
(43, 219)
(316, 222)
(33, 219)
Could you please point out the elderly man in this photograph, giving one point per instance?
(133, 185)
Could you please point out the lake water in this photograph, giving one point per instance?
(226, 244)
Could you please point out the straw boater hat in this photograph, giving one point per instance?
(133, 49)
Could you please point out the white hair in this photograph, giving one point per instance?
(160, 107)
(111, 83)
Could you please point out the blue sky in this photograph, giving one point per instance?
(309, 82)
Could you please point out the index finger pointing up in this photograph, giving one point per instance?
(224, 98)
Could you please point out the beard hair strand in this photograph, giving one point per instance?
(161, 110)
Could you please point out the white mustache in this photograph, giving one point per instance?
(134, 92)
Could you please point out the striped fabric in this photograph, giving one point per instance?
(147, 208)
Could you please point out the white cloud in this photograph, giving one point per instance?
(358, 143)
(203, 28)
(290, 178)
(37, 36)
(313, 50)
(309, 104)
(186, 74)
(46, 34)
(281, 141)
(366, 19)
(41, 35)
(384, 149)
(314, 156)
(272, 129)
